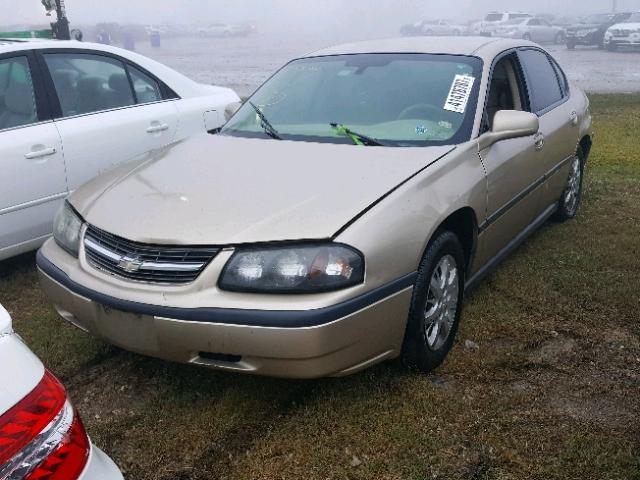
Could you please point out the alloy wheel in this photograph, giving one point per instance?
(442, 303)
(574, 183)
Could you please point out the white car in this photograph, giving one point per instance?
(433, 27)
(532, 29)
(624, 34)
(493, 20)
(41, 434)
(70, 111)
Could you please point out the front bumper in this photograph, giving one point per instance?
(333, 341)
(628, 41)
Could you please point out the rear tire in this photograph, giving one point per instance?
(436, 305)
(560, 38)
(572, 194)
(526, 37)
(571, 45)
(612, 47)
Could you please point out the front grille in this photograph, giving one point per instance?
(620, 33)
(145, 263)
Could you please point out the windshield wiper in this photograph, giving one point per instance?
(265, 124)
(357, 138)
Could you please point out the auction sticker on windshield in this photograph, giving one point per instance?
(459, 93)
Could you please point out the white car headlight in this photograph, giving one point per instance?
(293, 269)
(66, 229)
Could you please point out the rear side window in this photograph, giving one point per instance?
(146, 88)
(17, 99)
(544, 88)
(88, 83)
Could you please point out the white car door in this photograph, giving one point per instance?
(110, 111)
(31, 160)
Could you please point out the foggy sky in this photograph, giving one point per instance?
(294, 14)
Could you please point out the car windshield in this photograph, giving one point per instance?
(493, 17)
(390, 99)
(635, 18)
(517, 21)
(599, 18)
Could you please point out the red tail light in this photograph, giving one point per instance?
(41, 437)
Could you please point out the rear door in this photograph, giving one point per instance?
(108, 110)
(31, 161)
(550, 100)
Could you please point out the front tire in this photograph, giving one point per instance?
(526, 37)
(560, 38)
(436, 305)
(572, 194)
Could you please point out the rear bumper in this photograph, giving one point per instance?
(100, 467)
(336, 341)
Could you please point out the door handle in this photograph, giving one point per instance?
(45, 152)
(158, 128)
(573, 118)
(539, 139)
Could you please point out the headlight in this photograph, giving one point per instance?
(293, 269)
(66, 229)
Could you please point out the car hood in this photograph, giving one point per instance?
(626, 26)
(220, 190)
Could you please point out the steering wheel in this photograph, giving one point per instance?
(421, 111)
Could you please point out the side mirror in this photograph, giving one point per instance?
(231, 109)
(509, 124)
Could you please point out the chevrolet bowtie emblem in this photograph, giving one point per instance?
(130, 264)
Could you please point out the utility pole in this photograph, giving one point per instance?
(61, 26)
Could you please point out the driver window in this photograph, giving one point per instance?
(504, 91)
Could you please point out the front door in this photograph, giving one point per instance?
(514, 167)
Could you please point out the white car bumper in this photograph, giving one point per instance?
(100, 467)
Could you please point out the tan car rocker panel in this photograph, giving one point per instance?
(337, 219)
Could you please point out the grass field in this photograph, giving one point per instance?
(552, 393)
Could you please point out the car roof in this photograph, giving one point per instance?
(484, 47)
(14, 44)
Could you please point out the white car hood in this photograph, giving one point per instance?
(631, 27)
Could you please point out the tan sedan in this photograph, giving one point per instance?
(337, 219)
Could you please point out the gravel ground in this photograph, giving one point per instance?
(244, 63)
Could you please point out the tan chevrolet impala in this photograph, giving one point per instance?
(339, 217)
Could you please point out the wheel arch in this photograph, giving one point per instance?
(464, 224)
(585, 144)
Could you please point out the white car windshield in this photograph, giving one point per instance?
(388, 99)
(493, 17)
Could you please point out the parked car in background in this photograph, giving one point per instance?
(433, 27)
(70, 111)
(625, 34)
(590, 31)
(41, 434)
(338, 217)
(493, 20)
(533, 29)
(226, 30)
